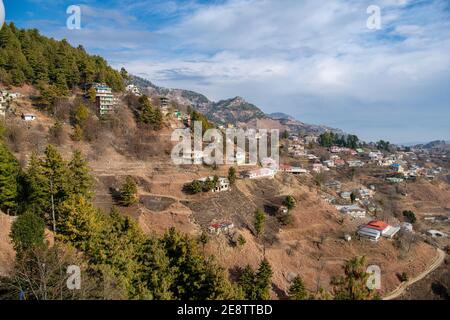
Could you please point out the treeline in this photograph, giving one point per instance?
(328, 139)
(28, 57)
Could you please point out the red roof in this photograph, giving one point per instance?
(378, 225)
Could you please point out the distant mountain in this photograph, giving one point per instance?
(435, 145)
(236, 111)
(281, 116)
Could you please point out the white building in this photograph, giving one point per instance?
(105, 98)
(369, 233)
(353, 210)
(28, 117)
(223, 184)
(259, 173)
(131, 88)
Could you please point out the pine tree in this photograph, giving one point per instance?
(353, 285)
(297, 290)
(260, 218)
(128, 193)
(9, 176)
(79, 176)
(289, 202)
(263, 280)
(247, 283)
(27, 232)
(232, 175)
(37, 187)
(78, 222)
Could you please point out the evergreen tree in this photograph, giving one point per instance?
(79, 176)
(289, 202)
(353, 285)
(196, 187)
(260, 218)
(78, 222)
(27, 232)
(232, 175)
(297, 290)
(247, 283)
(128, 193)
(9, 177)
(263, 280)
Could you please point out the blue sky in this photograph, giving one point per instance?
(315, 60)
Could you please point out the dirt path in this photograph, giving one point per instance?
(400, 289)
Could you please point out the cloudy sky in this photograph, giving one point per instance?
(315, 60)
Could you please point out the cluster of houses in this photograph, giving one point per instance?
(6, 98)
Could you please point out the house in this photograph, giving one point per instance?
(311, 139)
(329, 163)
(386, 230)
(131, 88)
(436, 234)
(223, 184)
(218, 228)
(397, 168)
(352, 210)
(290, 169)
(375, 156)
(104, 98)
(164, 102)
(406, 226)
(318, 168)
(259, 173)
(355, 163)
(394, 180)
(365, 193)
(346, 195)
(28, 117)
(337, 185)
(371, 234)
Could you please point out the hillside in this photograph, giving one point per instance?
(309, 240)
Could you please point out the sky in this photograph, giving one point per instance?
(315, 60)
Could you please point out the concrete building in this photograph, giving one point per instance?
(259, 173)
(105, 99)
(28, 117)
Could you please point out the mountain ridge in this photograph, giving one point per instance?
(236, 111)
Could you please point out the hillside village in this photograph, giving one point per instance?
(328, 200)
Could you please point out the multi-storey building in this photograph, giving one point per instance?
(104, 98)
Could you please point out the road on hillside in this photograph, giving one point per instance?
(402, 287)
